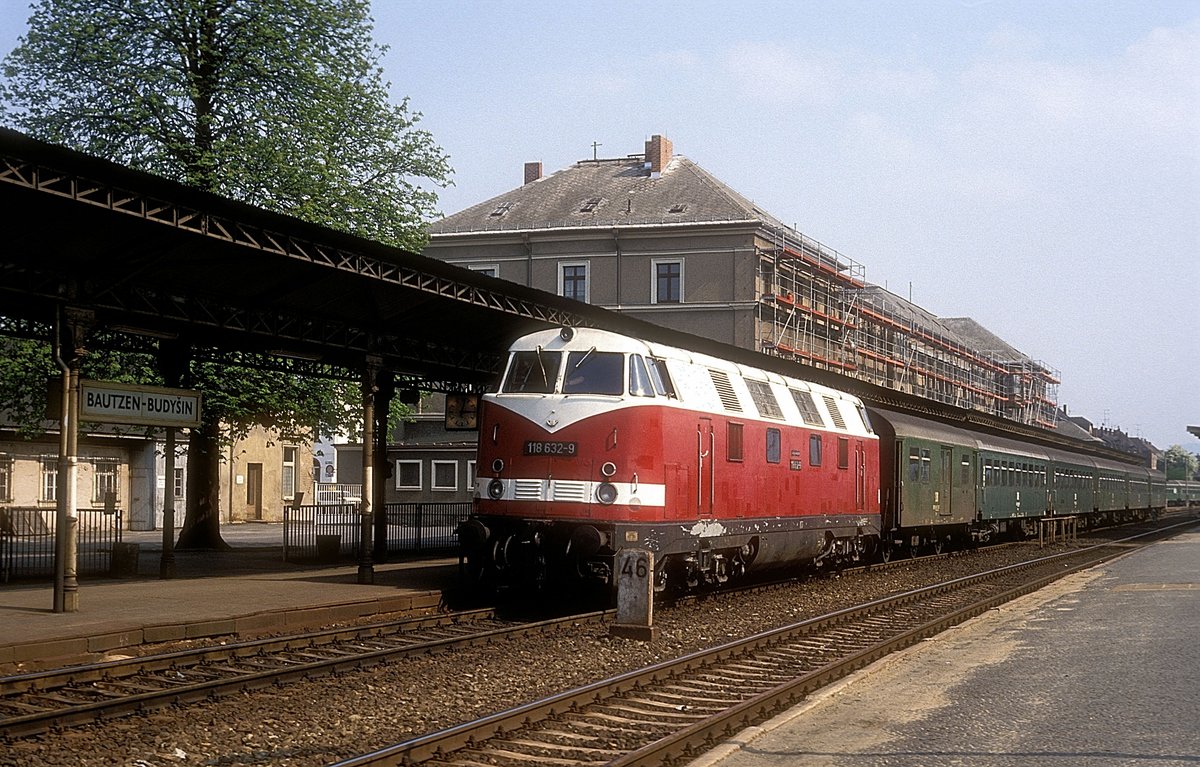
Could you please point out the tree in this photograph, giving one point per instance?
(1180, 463)
(280, 103)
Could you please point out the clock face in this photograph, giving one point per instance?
(461, 411)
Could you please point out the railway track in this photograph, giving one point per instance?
(35, 702)
(675, 710)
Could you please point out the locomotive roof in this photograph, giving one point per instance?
(604, 340)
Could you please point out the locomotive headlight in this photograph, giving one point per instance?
(608, 469)
(606, 493)
(498, 465)
(495, 490)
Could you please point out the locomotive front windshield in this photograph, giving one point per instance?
(533, 372)
(586, 372)
(594, 372)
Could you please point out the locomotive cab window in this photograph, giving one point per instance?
(532, 372)
(594, 372)
(661, 378)
(639, 377)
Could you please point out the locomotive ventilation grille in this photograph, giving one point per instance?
(552, 490)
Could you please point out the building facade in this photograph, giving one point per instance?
(656, 236)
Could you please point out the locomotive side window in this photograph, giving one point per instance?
(532, 372)
(639, 378)
(843, 453)
(661, 378)
(594, 372)
(774, 446)
(808, 410)
(764, 399)
(814, 450)
(733, 442)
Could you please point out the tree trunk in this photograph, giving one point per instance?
(202, 522)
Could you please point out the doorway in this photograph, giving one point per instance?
(254, 493)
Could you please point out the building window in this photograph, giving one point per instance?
(471, 474)
(668, 282)
(445, 475)
(733, 442)
(49, 479)
(104, 479)
(288, 478)
(6, 471)
(491, 270)
(178, 482)
(408, 475)
(573, 281)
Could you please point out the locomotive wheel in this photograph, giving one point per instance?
(938, 544)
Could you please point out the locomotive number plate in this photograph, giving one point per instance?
(568, 449)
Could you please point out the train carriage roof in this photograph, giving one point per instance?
(905, 425)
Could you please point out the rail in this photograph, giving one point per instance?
(676, 710)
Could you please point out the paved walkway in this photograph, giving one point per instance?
(1099, 670)
(247, 590)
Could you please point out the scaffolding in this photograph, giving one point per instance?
(806, 296)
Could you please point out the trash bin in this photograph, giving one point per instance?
(328, 547)
(124, 563)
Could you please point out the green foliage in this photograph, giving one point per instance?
(280, 103)
(1180, 463)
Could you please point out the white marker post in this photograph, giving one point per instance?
(635, 596)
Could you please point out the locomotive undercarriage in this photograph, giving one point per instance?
(539, 553)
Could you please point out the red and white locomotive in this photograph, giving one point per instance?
(597, 441)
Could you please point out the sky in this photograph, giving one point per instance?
(1032, 164)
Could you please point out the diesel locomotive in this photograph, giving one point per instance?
(595, 441)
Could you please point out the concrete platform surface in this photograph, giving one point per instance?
(246, 591)
(1100, 669)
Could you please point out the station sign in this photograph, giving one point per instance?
(110, 402)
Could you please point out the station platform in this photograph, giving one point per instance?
(246, 591)
(1099, 669)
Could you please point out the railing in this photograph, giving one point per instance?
(332, 531)
(334, 493)
(27, 542)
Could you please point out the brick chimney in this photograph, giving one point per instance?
(658, 153)
(533, 171)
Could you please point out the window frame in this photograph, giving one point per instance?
(586, 278)
(434, 465)
(655, 297)
(48, 479)
(420, 464)
(106, 477)
(287, 472)
(485, 269)
(6, 478)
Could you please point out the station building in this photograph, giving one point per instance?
(656, 236)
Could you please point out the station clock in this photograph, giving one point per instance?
(462, 412)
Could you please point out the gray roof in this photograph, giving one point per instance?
(606, 193)
(985, 340)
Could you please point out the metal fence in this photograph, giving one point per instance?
(27, 542)
(333, 531)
